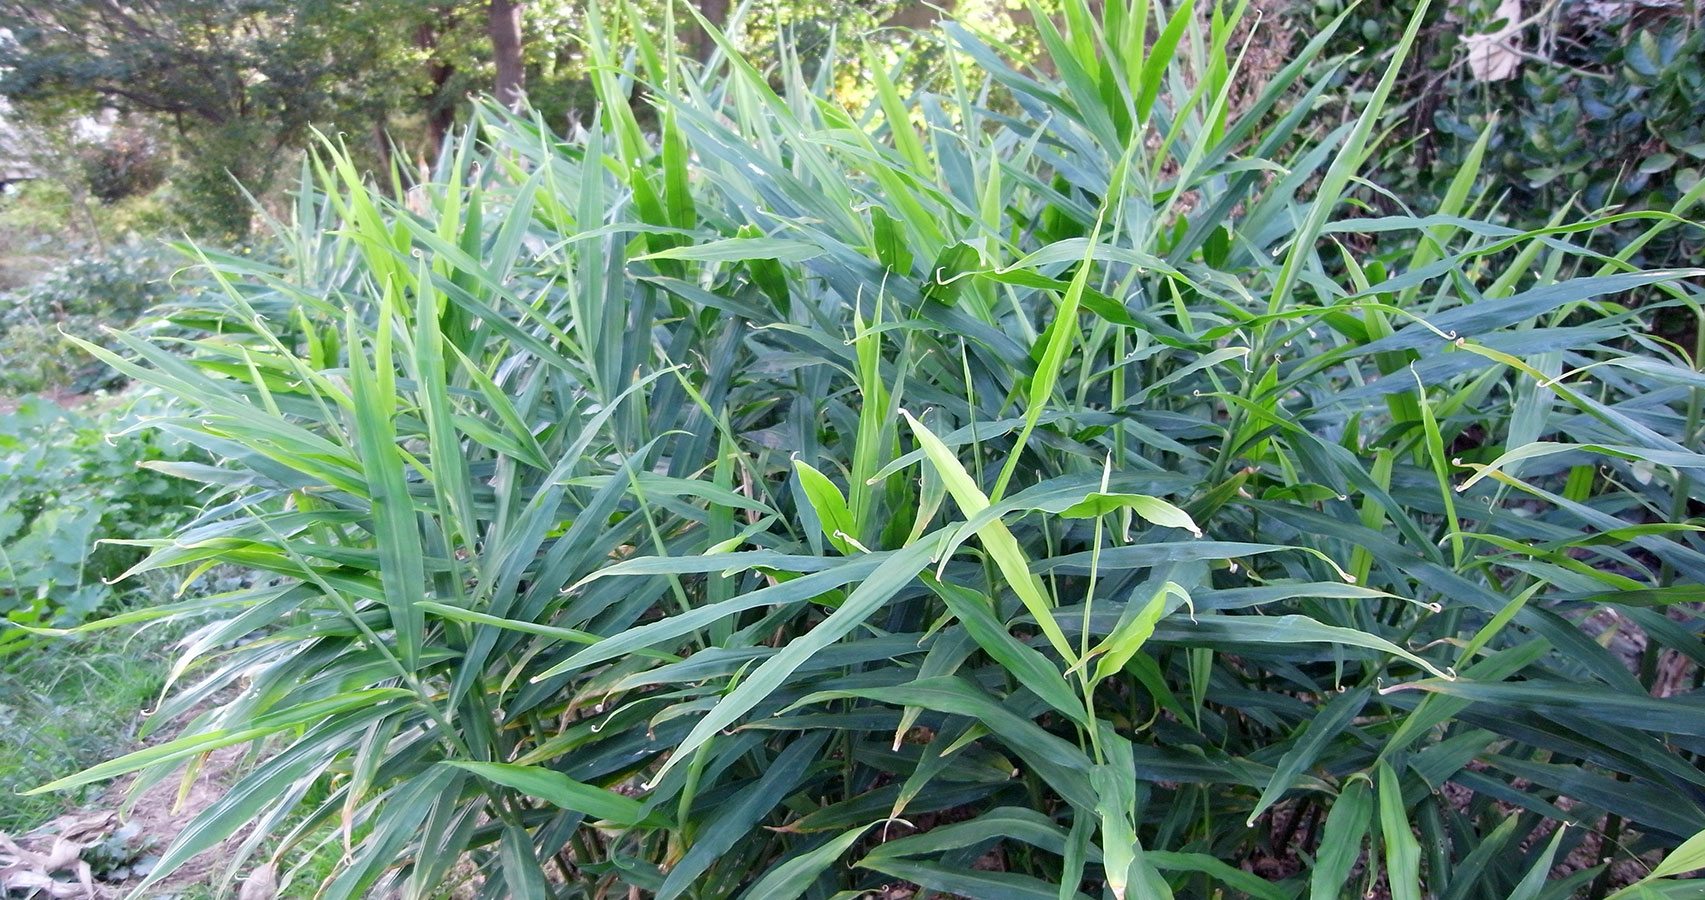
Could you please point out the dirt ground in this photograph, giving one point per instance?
(104, 851)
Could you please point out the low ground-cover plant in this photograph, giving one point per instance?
(1017, 489)
(71, 482)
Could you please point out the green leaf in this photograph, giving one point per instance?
(561, 791)
(1402, 851)
(739, 249)
(1341, 840)
(1151, 509)
(1160, 56)
(1032, 670)
(1533, 882)
(996, 537)
(793, 876)
(1132, 632)
(830, 506)
(1325, 726)
(403, 568)
(1688, 857)
(1293, 629)
(889, 577)
(298, 716)
(734, 820)
(1061, 764)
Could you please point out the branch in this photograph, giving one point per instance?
(160, 104)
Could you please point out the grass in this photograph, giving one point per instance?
(66, 706)
(1046, 484)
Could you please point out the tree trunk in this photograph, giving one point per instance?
(698, 40)
(920, 15)
(506, 49)
(440, 109)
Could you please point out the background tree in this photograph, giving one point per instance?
(505, 24)
(238, 82)
(235, 86)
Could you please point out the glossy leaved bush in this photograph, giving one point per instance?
(1041, 484)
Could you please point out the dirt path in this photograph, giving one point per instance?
(104, 851)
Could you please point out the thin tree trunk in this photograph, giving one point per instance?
(506, 49)
(440, 109)
(383, 149)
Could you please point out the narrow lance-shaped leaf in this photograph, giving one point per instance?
(1341, 840)
(402, 570)
(559, 790)
(997, 539)
(889, 578)
(1325, 726)
(1343, 167)
(829, 504)
(1402, 851)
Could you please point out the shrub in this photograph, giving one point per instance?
(1016, 489)
(82, 297)
(1606, 111)
(127, 163)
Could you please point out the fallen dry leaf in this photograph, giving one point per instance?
(262, 884)
(31, 872)
(1495, 55)
(64, 855)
